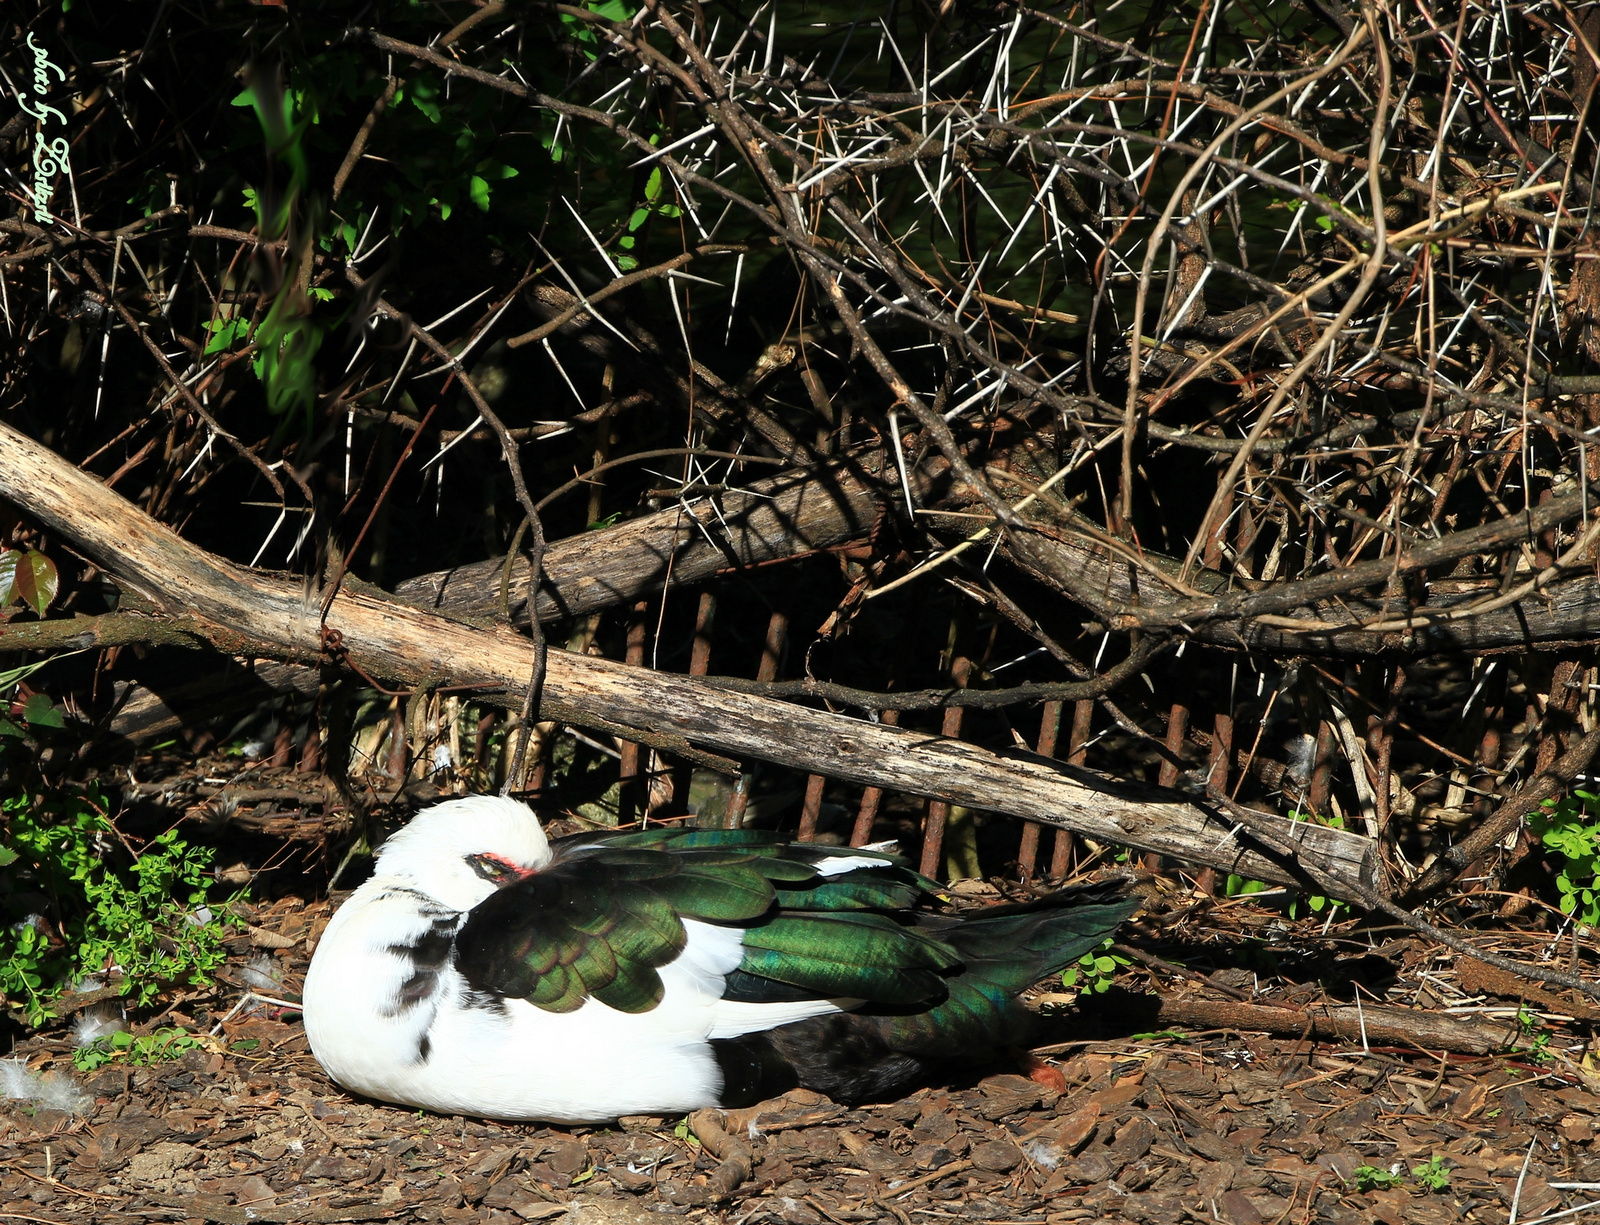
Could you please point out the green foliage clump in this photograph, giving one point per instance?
(148, 919)
(288, 338)
(1239, 886)
(143, 1049)
(1432, 1174)
(34, 709)
(1535, 1036)
(1571, 828)
(29, 578)
(1096, 970)
(1374, 1178)
(653, 203)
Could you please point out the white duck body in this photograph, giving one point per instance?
(388, 1014)
(484, 971)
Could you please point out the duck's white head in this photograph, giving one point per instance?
(461, 851)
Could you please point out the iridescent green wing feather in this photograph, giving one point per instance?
(849, 954)
(608, 913)
(601, 922)
(1003, 953)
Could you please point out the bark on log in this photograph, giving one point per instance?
(1377, 1024)
(250, 612)
(782, 516)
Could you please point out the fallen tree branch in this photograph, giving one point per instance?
(249, 612)
(114, 629)
(1286, 597)
(143, 713)
(1378, 1024)
(1473, 976)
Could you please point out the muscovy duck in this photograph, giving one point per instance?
(487, 970)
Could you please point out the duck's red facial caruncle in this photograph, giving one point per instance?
(497, 869)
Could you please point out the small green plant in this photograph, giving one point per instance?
(653, 203)
(34, 709)
(149, 920)
(1239, 886)
(141, 1049)
(1571, 828)
(1096, 970)
(1535, 1037)
(1432, 1174)
(1374, 1178)
(29, 578)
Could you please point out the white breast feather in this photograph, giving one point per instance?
(836, 864)
(518, 1061)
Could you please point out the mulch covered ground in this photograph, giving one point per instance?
(1215, 1127)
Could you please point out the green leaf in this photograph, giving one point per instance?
(225, 332)
(8, 575)
(40, 711)
(36, 581)
(478, 189)
(7, 857)
(422, 97)
(639, 217)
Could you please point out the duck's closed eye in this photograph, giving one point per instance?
(492, 868)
